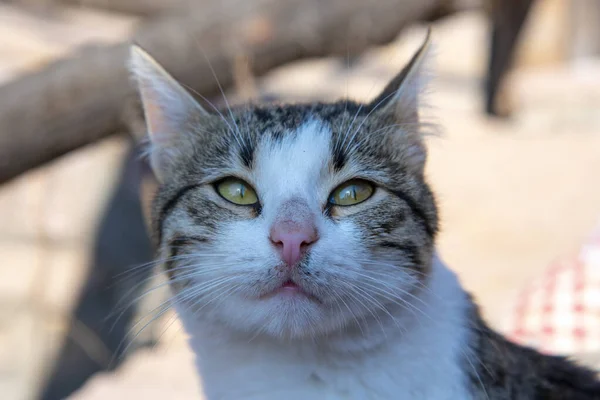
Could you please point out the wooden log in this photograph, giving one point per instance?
(82, 98)
(507, 18)
(142, 8)
(147, 8)
(137, 7)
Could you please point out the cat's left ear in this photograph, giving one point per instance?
(398, 107)
(400, 98)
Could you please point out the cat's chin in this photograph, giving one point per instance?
(287, 312)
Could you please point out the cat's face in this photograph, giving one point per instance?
(294, 221)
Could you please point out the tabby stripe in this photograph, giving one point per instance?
(339, 158)
(418, 211)
(175, 246)
(408, 249)
(170, 205)
(247, 154)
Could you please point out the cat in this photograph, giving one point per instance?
(299, 241)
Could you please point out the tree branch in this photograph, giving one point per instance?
(82, 98)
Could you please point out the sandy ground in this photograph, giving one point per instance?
(513, 197)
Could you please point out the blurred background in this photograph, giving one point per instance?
(516, 94)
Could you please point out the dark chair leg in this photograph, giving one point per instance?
(507, 18)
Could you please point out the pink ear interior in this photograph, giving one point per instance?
(167, 106)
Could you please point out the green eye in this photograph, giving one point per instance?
(237, 191)
(351, 193)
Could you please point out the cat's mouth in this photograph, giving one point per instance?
(289, 288)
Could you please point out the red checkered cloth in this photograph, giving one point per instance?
(559, 312)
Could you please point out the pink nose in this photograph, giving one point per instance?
(292, 240)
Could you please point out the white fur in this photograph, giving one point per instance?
(423, 362)
(367, 337)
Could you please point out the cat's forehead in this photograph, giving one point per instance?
(300, 145)
(288, 118)
(295, 163)
(305, 148)
(304, 131)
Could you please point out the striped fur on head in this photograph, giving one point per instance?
(370, 258)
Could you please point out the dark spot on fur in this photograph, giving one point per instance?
(339, 158)
(262, 115)
(193, 211)
(278, 134)
(176, 245)
(327, 210)
(256, 210)
(202, 216)
(247, 153)
(428, 223)
(170, 205)
(409, 250)
(392, 223)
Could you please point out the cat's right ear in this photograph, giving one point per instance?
(167, 108)
(400, 98)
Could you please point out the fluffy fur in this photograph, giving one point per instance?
(379, 316)
(404, 357)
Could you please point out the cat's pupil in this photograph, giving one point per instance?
(240, 190)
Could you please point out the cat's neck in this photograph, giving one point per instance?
(425, 340)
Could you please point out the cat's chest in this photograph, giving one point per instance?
(379, 381)
(386, 375)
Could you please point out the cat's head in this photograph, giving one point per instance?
(292, 220)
